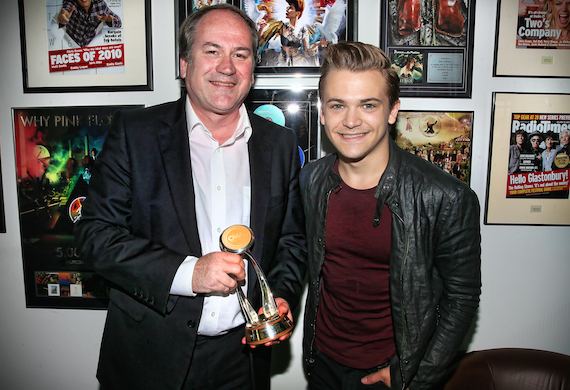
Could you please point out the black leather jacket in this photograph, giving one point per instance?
(435, 278)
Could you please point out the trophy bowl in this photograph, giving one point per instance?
(268, 325)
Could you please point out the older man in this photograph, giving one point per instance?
(168, 181)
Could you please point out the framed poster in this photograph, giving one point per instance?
(529, 163)
(66, 48)
(55, 148)
(430, 44)
(294, 34)
(443, 138)
(533, 39)
(295, 109)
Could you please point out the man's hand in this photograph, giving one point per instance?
(212, 272)
(282, 308)
(63, 16)
(107, 18)
(379, 376)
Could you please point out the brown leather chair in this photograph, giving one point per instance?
(512, 369)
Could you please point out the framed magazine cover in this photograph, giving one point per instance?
(60, 53)
(430, 44)
(294, 109)
(529, 163)
(55, 150)
(441, 137)
(530, 42)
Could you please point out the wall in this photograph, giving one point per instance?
(525, 300)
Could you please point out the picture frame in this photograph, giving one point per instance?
(2, 209)
(518, 53)
(296, 109)
(431, 47)
(306, 42)
(113, 56)
(443, 138)
(523, 189)
(55, 150)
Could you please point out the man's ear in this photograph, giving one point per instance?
(394, 113)
(183, 66)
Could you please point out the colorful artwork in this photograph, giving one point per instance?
(55, 152)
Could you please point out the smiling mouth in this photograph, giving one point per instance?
(352, 136)
(563, 17)
(222, 84)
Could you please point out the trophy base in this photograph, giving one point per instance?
(269, 330)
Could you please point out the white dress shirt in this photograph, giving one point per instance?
(222, 186)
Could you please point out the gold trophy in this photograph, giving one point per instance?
(259, 328)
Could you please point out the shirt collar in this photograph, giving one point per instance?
(243, 128)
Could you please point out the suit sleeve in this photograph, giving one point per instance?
(133, 264)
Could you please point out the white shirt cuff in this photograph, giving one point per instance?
(182, 283)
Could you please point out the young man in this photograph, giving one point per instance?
(168, 181)
(394, 242)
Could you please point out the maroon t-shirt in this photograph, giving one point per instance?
(354, 322)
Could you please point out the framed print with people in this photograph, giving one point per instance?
(443, 138)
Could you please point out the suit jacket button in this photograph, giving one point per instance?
(191, 324)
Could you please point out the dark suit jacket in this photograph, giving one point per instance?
(139, 223)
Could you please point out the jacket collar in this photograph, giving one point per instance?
(387, 184)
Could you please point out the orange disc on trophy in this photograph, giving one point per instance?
(237, 238)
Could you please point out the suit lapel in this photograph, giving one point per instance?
(172, 140)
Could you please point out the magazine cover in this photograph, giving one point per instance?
(539, 163)
(56, 148)
(85, 36)
(543, 24)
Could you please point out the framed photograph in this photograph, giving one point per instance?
(532, 39)
(66, 48)
(55, 149)
(294, 34)
(443, 138)
(295, 109)
(430, 44)
(529, 163)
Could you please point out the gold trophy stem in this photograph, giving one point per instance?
(260, 328)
